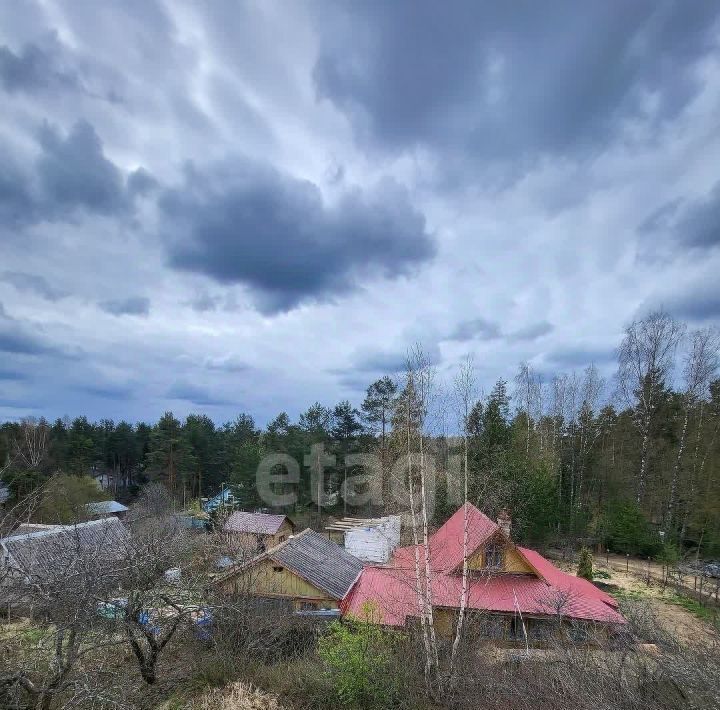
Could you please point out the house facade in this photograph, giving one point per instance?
(307, 571)
(513, 593)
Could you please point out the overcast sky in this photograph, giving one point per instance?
(249, 206)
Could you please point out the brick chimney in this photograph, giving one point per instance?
(504, 521)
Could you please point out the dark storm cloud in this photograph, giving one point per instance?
(133, 306)
(195, 394)
(476, 328)
(249, 224)
(32, 283)
(509, 80)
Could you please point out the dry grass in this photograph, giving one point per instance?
(236, 696)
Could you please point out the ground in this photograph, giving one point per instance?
(687, 620)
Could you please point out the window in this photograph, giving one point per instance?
(493, 556)
(282, 538)
(307, 606)
(277, 569)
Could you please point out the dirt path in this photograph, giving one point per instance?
(683, 624)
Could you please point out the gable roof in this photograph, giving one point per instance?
(53, 551)
(315, 559)
(446, 545)
(391, 587)
(255, 523)
(105, 507)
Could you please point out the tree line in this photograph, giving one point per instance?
(631, 462)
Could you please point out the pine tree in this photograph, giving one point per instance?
(585, 565)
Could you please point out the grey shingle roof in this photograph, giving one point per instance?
(254, 523)
(50, 552)
(104, 507)
(319, 561)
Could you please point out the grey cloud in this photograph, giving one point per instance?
(517, 80)
(141, 182)
(36, 68)
(390, 361)
(227, 363)
(530, 332)
(249, 224)
(108, 391)
(689, 223)
(697, 302)
(476, 328)
(9, 375)
(74, 172)
(133, 306)
(579, 357)
(16, 339)
(34, 284)
(699, 226)
(195, 394)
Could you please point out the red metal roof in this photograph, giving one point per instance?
(392, 588)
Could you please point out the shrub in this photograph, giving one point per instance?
(585, 565)
(358, 655)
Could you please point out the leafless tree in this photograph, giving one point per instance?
(646, 358)
(700, 367)
(465, 395)
(31, 445)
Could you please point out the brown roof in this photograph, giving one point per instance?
(255, 523)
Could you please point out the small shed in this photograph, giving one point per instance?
(368, 539)
(257, 532)
(106, 509)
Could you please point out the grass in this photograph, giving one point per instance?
(694, 607)
(633, 595)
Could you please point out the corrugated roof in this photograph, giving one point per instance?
(48, 552)
(392, 588)
(105, 507)
(254, 523)
(318, 561)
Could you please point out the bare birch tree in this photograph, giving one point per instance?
(465, 395)
(701, 364)
(646, 358)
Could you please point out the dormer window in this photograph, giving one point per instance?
(493, 556)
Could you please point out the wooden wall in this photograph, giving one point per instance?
(267, 578)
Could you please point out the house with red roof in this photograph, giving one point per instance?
(513, 593)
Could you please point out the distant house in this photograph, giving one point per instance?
(57, 552)
(257, 532)
(515, 593)
(106, 508)
(308, 571)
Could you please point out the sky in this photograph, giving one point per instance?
(251, 206)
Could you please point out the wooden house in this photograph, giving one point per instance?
(513, 593)
(257, 532)
(308, 571)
